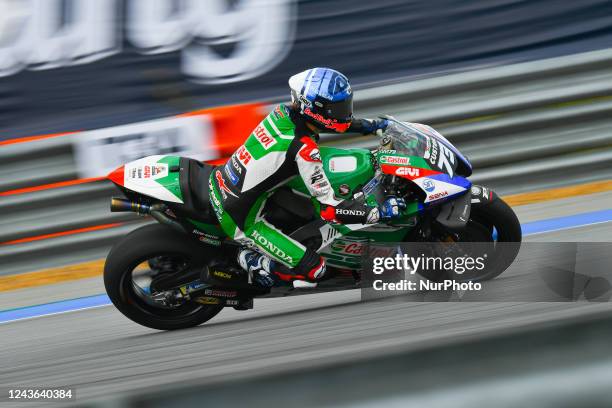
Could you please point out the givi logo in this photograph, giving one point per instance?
(407, 171)
(243, 155)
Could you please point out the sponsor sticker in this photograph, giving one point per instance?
(207, 300)
(433, 151)
(407, 171)
(207, 238)
(244, 157)
(264, 137)
(368, 188)
(437, 195)
(150, 171)
(305, 101)
(394, 160)
(315, 155)
(270, 247)
(236, 164)
(348, 248)
(230, 173)
(327, 122)
(224, 188)
(429, 185)
(344, 189)
(278, 112)
(346, 211)
(222, 275)
(214, 200)
(316, 176)
(220, 293)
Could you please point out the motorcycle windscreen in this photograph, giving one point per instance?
(415, 139)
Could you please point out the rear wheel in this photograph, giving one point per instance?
(139, 260)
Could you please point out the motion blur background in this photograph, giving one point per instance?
(522, 87)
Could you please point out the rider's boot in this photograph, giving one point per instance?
(265, 273)
(258, 266)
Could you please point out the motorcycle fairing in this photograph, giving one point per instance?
(446, 158)
(441, 187)
(436, 185)
(455, 214)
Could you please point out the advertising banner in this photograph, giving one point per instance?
(98, 152)
(205, 135)
(80, 64)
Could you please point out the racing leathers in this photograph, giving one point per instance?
(280, 148)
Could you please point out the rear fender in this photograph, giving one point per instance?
(153, 176)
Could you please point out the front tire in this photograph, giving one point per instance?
(494, 228)
(139, 246)
(499, 219)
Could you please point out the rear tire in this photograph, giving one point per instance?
(143, 244)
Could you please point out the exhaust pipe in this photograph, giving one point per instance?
(123, 205)
(156, 211)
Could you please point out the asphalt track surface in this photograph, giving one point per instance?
(100, 353)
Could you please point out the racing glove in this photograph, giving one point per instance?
(366, 126)
(391, 208)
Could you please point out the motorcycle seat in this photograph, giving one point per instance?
(194, 187)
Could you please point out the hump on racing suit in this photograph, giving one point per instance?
(280, 148)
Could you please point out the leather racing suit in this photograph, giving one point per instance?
(280, 148)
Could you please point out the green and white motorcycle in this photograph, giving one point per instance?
(181, 271)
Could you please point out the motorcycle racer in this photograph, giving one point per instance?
(281, 147)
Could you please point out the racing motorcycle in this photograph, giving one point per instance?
(182, 270)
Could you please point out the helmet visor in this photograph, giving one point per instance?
(342, 111)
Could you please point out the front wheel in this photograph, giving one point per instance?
(493, 228)
(132, 266)
(503, 234)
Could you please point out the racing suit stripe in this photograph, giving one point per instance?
(275, 129)
(279, 149)
(254, 214)
(225, 220)
(275, 244)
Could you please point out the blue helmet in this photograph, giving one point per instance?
(324, 97)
